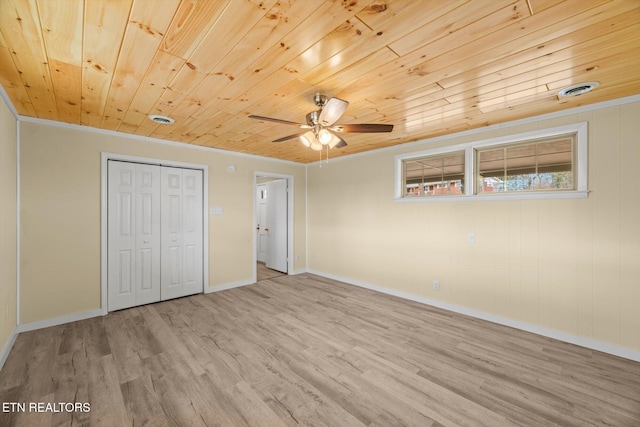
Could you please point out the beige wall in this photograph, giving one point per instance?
(60, 214)
(7, 223)
(570, 265)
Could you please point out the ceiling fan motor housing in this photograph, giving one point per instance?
(320, 100)
(312, 118)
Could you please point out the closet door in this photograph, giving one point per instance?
(148, 214)
(192, 275)
(171, 240)
(181, 232)
(133, 234)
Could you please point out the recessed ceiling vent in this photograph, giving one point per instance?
(163, 120)
(578, 89)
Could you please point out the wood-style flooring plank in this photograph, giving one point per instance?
(306, 350)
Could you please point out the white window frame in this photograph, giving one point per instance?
(581, 161)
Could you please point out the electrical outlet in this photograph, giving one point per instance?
(297, 257)
(471, 237)
(436, 285)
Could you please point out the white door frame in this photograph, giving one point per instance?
(290, 237)
(259, 221)
(104, 158)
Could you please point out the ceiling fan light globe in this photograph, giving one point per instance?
(316, 145)
(324, 136)
(307, 139)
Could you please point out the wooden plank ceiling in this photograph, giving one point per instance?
(427, 67)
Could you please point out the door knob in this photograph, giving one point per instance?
(258, 227)
(145, 241)
(266, 229)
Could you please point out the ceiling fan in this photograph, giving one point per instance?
(321, 127)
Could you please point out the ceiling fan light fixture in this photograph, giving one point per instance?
(315, 145)
(324, 136)
(307, 139)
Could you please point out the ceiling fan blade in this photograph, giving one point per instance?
(286, 138)
(362, 128)
(271, 119)
(332, 111)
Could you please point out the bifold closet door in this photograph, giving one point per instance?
(181, 240)
(133, 234)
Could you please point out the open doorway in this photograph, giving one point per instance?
(273, 220)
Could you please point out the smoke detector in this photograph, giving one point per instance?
(578, 89)
(163, 120)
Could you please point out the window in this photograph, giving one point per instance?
(545, 165)
(550, 163)
(435, 175)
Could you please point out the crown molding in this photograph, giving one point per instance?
(557, 114)
(35, 120)
(8, 102)
(568, 112)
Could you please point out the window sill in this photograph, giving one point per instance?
(509, 196)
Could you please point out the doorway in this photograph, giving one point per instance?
(273, 221)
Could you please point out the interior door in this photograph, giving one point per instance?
(277, 225)
(262, 235)
(133, 200)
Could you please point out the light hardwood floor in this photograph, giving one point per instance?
(263, 272)
(304, 350)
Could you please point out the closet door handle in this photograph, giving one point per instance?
(145, 241)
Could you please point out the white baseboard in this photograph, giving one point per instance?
(231, 285)
(40, 324)
(4, 353)
(298, 271)
(604, 347)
